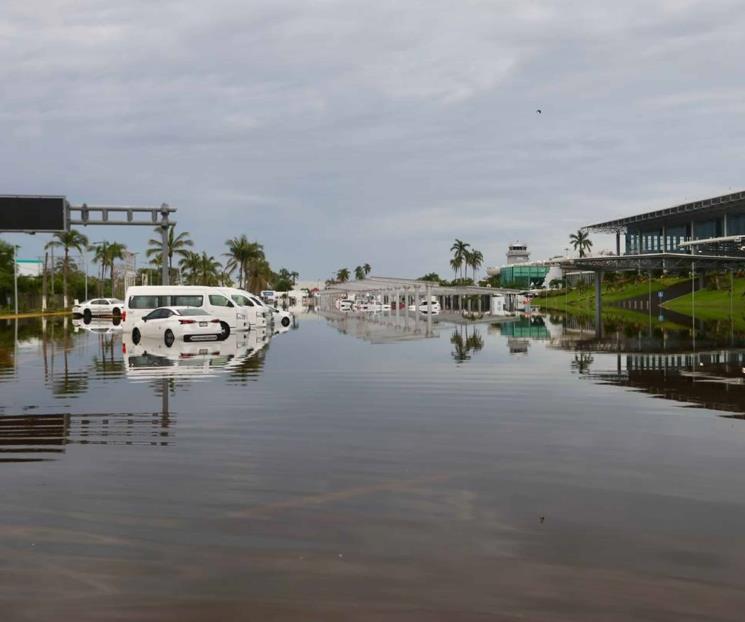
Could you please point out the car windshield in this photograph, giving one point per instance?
(192, 311)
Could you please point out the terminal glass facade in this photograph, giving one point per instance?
(522, 275)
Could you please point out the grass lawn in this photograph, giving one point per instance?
(583, 300)
(712, 304)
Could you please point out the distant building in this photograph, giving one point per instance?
(520, 272)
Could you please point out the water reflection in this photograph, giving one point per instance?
(46, 363)
(39, 437)
(699, 367)
(378, 328)
(466, 340)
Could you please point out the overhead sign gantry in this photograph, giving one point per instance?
(54, 214)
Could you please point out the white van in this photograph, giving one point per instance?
(255, 311)
(141, 299)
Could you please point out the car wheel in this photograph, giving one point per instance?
(87, 316)
(285, 322)
(225, 331)
(136, 336)
(168, 338)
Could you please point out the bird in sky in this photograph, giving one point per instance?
(539, 111)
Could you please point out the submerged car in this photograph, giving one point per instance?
(98, 307)
(178, 323)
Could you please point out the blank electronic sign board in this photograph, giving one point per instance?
(26, 213)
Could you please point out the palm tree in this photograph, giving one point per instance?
(475, 261)
(116, 251)
(455, 265)
(243, 254)
(460, 252)
(100, 256)
(239, 253)
(67, 240)
(342, 276)
(581, 242)
(366, 267)
(175, 245)
(209, 269)
(359, 273)
(189, 266)
(259, 273)
(294, 276)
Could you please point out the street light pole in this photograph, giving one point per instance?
(15, 276)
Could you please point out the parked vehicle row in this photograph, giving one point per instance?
(426, 307)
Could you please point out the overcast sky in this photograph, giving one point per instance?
(344, 132)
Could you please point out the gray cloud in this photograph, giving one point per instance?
(339, 132)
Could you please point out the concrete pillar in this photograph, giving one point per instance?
(618, 242)
(428, 293)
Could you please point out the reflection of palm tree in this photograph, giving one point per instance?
(465, 345)
(250, 367)
(460, 353)
(582, 362)
(475, 342)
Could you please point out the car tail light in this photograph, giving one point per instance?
(124, 316)
(187, 321)
(124, 348)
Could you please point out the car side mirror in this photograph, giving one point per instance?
(230, 304)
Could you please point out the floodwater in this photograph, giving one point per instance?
(370, 470)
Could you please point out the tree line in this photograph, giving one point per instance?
(244, 264)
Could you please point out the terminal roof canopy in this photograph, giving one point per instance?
(679, 213)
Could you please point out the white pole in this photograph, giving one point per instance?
(15, 277)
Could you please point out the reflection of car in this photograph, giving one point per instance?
(170, 324)
(98, 307)
(432, 306)
(99, 326)
(282, 317)
(152, 358)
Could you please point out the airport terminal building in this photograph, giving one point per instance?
(710, 226)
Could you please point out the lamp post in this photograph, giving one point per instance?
(84, 259)
(15, 277)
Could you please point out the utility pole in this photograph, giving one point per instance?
(15, 277)
(165, 276)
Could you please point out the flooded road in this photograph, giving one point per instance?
(356, 470)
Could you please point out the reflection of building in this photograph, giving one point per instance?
(518, 346)
(709, 379)
(532, 327)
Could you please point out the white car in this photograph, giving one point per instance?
(167, 324)
(432, 306)
(98, 307)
